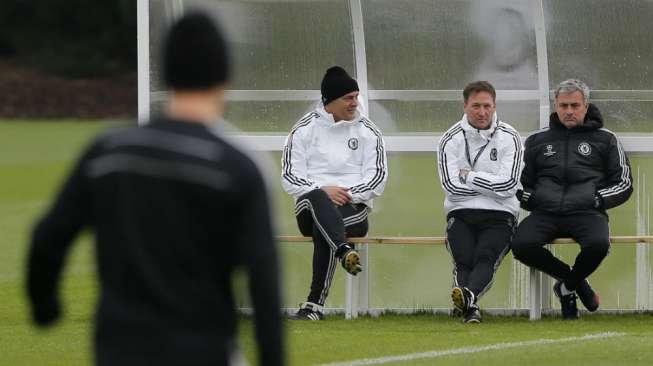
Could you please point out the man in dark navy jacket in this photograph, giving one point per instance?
(574, 171)
(175, 209)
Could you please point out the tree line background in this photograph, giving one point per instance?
(68, 58)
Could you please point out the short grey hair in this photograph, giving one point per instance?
(573, 85)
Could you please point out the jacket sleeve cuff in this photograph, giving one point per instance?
(470, 178)
(305, 190)
(524, 196)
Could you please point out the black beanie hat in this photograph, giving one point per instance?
(336, 83)
(195, 55)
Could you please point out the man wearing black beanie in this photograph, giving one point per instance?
(333, 164)
(175, 209)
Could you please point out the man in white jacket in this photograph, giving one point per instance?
(479, 162)
(333, 164)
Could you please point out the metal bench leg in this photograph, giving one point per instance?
(349, 289)
(535, 311)
(642, 271)
(364, 281)
(546, 284)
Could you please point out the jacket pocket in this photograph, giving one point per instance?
(547, 197)
(580, 197)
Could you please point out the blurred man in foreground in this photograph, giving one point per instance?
(175, 209)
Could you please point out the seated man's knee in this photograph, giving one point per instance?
(357, 230)
(519, 248)
(486, 256)
(526, 252)
(306, 230)
(599, 248)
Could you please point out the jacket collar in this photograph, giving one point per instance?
(325, 117)
(485, 134)
(593, 120)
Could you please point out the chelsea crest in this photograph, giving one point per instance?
(353, 143)
(493, 154)
(584, 148)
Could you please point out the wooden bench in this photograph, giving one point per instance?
(352, 303)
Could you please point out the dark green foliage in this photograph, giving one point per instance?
(71, 38)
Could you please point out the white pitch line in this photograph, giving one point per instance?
(465, 350)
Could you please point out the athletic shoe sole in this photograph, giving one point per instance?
(309, 317)
(306, 315)
(458, 299)
(352, 263)
(473, 316)
(472, 321)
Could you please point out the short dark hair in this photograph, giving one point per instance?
(477, 87)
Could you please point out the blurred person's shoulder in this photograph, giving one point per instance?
(160, 133)
(200, 149)
(95, 146)
(255, 164)
(178, 140)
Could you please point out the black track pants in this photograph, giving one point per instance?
(329, 225)
(591, 231)
(478, 240)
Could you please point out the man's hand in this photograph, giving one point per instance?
(339, 195)
(462, 175)
(598, 202)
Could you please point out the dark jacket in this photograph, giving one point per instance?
(175, 210)
(568, 171)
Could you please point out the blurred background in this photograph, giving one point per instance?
(69, 69)
(68, 59)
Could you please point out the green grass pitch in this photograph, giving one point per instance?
(37, 155)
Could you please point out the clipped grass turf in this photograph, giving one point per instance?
(37, 155)
(339, 340)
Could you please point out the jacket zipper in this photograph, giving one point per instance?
(564, 172)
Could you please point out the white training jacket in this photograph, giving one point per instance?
(321, 152)
(494, 158)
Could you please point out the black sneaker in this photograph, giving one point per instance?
(462, 299)
(567, 303)
(350, 259)
(473, 315)
(308, 311)
(587, 296)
